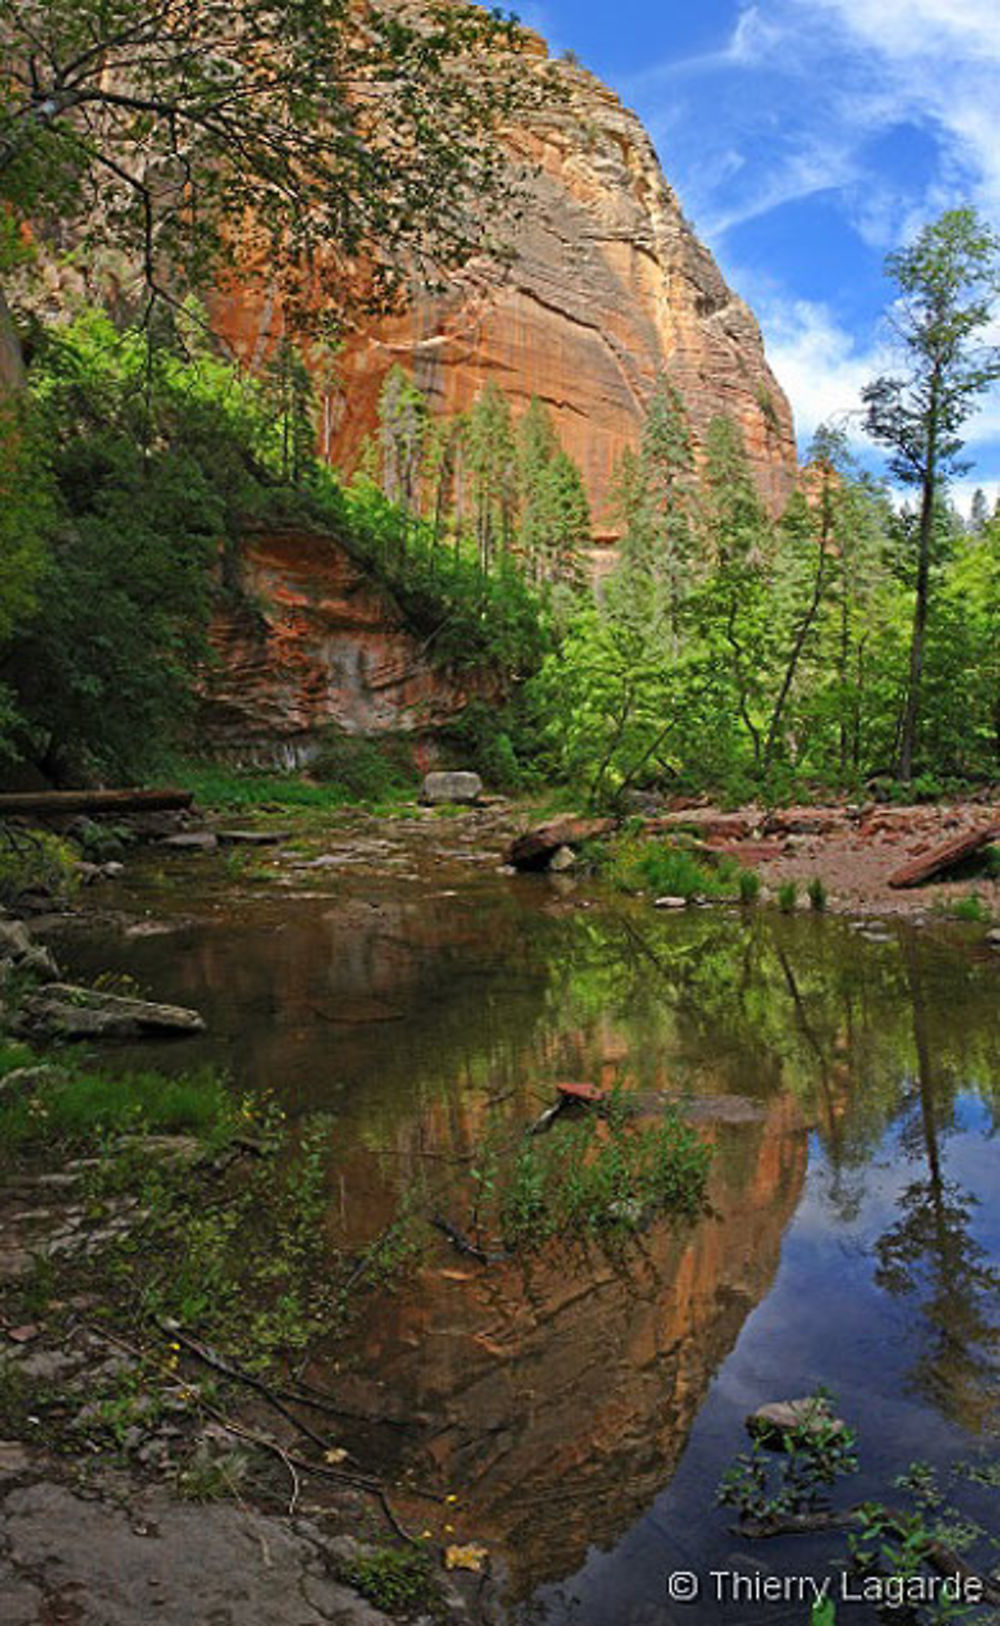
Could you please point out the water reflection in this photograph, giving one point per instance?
(559, 1399)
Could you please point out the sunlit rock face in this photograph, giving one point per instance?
(313, 642)
(609, 287)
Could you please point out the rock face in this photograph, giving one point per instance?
(315, 643)
(610, 286)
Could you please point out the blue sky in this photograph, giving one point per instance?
(805, 139)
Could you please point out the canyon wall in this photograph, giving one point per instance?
(609, 286)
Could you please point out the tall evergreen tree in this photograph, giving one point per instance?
(948, 282)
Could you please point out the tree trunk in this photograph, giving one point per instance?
(11, 360)
(911, 715)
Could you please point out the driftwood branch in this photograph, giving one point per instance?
(941, 1559)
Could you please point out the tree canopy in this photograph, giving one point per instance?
(182, 131)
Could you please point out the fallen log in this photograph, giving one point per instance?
(533, 850)
(944, 857)
(45, 804)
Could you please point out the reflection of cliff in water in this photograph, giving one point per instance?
(557, 1394)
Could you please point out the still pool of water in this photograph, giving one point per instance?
(584, 1405)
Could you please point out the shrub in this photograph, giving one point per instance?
(788, 897)
(971, 908)
(364, 770)
(34, 861)
(668, 869)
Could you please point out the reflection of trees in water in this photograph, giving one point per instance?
(751, 1004)
(930, 1251)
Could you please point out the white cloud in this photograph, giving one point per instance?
(822, 368)
(818, 364)
(962, 493)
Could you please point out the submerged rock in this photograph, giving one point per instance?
(65, 1011)
(192, 841)
(771, 1424)
(462, 788)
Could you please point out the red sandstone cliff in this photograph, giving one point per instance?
(609, 287)
(313, 642)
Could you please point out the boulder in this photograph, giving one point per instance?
(26, 1080)
(534, 850)
(464, 789)
(18, 948)
(192, 841)
(64, 1011)
(563, 858)
(670, 902)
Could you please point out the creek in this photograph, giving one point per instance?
(582, 1403)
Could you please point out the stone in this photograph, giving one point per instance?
(563, 858)
(670, 902)
(218, 1564)
(65, 1011)
(771, 1424)
(18, 947)
(192, 841)
(993, 938)
(464, 789)
(253, 838)
(534, 849)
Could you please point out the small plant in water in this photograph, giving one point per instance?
(788, 896)
(790, 1470)
(817, 895)
(971, 908)
(749, 886)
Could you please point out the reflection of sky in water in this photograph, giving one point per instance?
(825, 1321)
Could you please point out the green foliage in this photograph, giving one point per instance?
(260, 120)
(363, 770)
(749, 886)
(585, 1178)
(34, 860)
(398, 1580)
(794, 1473)
(949, 283)
(668, 870)
(79, 1108)
(971, 908)
(495, 743)
(816, 892)
(788, 896)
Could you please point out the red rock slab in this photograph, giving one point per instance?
(581, 1092)
(943, 857)
(533, 850)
